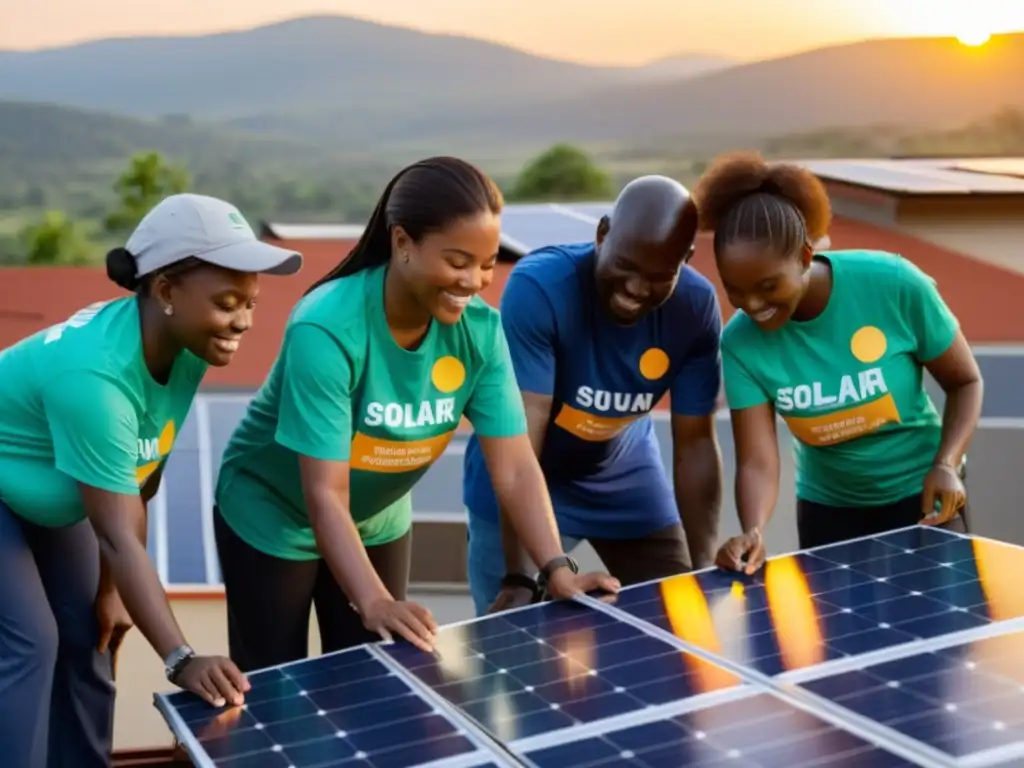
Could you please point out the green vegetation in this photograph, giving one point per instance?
(563, 172)
(73, 183)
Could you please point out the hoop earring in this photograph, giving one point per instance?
(405, 257)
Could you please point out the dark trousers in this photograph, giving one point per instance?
(820, 524)
(56, 689)
(659, 555)
(269, 600)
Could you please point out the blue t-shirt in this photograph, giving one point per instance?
(601, 456)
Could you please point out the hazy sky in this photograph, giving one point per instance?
(595, 31)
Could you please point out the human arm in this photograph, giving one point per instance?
(697, 479)
(756, 486)
(95, 436)
(529, 326)
(943, 350)
(114, 619)
(497, 414)
(315, 421)
(538, 413)
(696, 458)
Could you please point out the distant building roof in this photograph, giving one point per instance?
(32, 298)
(926, 176)
(524, 227)
(277, 231)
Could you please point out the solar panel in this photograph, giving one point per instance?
(527, 227)
(1000, 166)
(920, 176)
(893, 650)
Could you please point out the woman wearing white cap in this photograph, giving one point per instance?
(90, 410)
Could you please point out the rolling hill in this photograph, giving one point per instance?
(305, 65)
(361, 86)
(67, 158)
(335, 79)
(922, 82)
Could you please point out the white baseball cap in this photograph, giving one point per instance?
(206, 228)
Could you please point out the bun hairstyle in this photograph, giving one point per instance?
(741, 198)
(121, 268)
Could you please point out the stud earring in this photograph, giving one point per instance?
(168, 310)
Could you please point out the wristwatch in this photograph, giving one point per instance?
(562, 561)
(177, 660)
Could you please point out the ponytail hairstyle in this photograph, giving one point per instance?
(422, 198)
(743, 199)
(122, 269)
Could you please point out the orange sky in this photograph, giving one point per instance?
(582, 30)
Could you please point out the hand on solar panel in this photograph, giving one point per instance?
(410, 620)
(215, 679)
(742, 553)
(943, 495)
(563, 584)
(511, 597)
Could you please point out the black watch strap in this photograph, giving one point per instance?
(522, 581)
(552, 565)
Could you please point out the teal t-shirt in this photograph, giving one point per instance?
(849, 383)
(80, 406)
(342, 389)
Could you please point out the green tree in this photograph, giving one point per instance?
(147, 180)
(563, 172)
(55, 240)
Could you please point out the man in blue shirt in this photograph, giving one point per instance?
(599, 332)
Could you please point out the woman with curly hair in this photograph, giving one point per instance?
(836, 344)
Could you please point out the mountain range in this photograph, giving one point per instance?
(356, 85)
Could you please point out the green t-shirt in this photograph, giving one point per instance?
(849, 383)
(80, 406)
(342, 389)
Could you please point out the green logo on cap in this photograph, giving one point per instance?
(237, 221)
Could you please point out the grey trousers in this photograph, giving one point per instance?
(56, 689)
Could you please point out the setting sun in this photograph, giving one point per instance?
(977, 37)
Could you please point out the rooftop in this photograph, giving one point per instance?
(524, 226)
(993, 176)
(35, 297)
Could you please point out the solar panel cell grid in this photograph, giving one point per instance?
(901, 649)
(556, 666)
(961, 700)
(324, 712)
(757, 732)
(821, 605)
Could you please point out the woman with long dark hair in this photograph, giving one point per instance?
(380, 361)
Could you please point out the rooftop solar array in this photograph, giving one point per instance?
(1001, 166)
(901, 649)
(524, 226)
(924, 176)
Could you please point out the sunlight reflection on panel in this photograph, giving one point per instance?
(729, 616)
(793, 614)
(222, 724)
(999, 573)
(577, 651)
(687, 611)
(998, 569)
(501, 715)
(452, 658)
